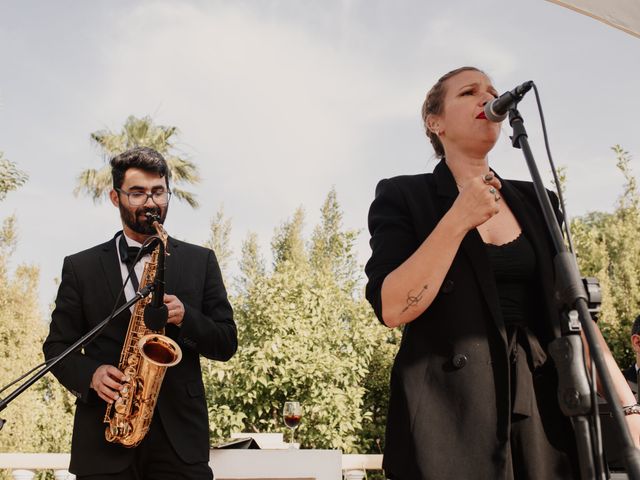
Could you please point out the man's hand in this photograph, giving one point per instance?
(175, 308)
(107, 382)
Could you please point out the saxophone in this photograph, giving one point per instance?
(145, 356)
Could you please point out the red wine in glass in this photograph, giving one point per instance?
(292, 413)
(292, 421)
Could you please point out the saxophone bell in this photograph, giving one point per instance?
(160, 350)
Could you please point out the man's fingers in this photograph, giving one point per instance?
(111, 383)
(113, 372)
(104, 397)
(107, 395)
(107, 382)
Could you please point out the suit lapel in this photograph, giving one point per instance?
(111, 269)
(172, 266)
(472, 246)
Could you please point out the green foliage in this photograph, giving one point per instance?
(220, 241)
(138, 132)
(288, 243)
(305, 334)
(332, 251)
(376, 399)
(252, 265)
(40, 419)
(608, 248)
(10, 177)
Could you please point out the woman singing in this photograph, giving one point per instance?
(463, 260)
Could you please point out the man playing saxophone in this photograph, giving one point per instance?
(200, 321)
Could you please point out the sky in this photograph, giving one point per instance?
(279, 101)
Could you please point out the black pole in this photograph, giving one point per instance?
(567, 353)
(145, 291)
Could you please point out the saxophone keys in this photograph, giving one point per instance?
(120, 406)
(111, 432)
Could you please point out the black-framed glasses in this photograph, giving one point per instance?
(136, 199)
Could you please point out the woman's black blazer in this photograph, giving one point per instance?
(450, 403)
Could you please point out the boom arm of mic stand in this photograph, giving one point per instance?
(145, 291)
(571, 295)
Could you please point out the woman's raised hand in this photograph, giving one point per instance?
(478, 201)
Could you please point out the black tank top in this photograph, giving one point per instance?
(514, 266)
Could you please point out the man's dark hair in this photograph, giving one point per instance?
(635, 330)
(144, 158)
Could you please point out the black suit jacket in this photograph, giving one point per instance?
(450, 406)
(90, 284)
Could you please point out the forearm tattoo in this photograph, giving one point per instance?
(413, 300)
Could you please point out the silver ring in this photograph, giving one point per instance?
(488, 177)
(492, 191)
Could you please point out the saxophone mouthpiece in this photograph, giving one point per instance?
(153, 217)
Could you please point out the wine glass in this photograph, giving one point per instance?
(292, 413)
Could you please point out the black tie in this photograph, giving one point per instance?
(128, 255)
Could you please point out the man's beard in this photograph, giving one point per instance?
(145, 226)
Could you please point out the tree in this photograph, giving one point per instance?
(305, 334)
(39, 420)
(287, 245)
(252, 265)
(607, 247)
(220, 241)
(138, 132)
(10, 177)
(376, 399)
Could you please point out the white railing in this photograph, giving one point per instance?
(24, 466)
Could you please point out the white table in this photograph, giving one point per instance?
(276, 464)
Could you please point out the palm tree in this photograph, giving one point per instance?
(138, 132)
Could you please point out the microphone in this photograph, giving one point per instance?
(156, 313)
(497, 109)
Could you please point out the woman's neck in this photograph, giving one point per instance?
(466, 167)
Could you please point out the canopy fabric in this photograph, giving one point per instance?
(622, 14)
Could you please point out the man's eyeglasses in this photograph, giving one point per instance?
(136, 199)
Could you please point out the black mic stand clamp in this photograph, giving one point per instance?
(594, 296)
(575, 392)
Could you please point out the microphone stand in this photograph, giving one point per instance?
(144, 292)
(574, 390)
